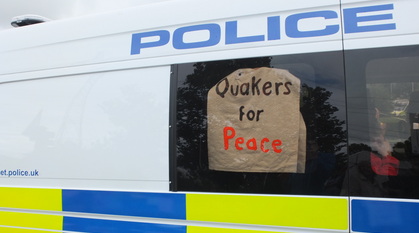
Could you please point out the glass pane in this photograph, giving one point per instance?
(229, 132)
(383, 87)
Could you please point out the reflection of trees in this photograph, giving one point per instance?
(325, 161)
(358, 147)
(322, 124)
(323, 127)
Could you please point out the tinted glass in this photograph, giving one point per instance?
(383, 122)
(212, 99)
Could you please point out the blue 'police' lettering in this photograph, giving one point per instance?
(214, 36)
(353, 22)
(137, 44)
(274, 32)
(232, 38)
(352, 19)
(291, 24)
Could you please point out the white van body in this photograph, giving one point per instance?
(85, 108)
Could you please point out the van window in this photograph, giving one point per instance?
(383, 122)
(260, 125)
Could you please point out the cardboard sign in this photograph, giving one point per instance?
(255, 124)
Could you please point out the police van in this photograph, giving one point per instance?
(232, 116)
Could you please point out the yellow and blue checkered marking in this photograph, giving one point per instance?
(286, 211)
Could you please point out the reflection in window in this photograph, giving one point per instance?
(383, 116)
(321, 106)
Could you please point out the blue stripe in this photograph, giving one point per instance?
(385, 216)
(153, 205)
(109, 226)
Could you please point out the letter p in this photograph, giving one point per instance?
(229, 133)
(137, 42)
